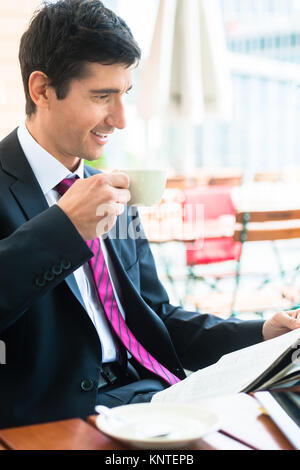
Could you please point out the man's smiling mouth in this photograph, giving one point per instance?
(99, 137)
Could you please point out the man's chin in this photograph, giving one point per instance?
(93, 158)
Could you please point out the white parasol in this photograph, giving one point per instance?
(186, 77)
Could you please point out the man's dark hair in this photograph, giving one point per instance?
(63, 36)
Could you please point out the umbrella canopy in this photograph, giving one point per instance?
(186, 75)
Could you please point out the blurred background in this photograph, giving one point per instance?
(258, 128)
(216, 101)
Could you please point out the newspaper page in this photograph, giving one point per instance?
(233, 373)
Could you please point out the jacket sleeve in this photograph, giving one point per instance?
(199, 339)
(35, 258)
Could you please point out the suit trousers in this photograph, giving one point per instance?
(140, 391)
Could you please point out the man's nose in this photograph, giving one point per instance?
(116, 117)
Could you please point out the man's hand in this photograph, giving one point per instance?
(93, 204)
(280, 323)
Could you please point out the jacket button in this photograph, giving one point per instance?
(57, 270)
(48, 276)
(65, 264)
(87, 385)
(40, 282)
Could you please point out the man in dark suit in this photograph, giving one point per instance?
(83, 315)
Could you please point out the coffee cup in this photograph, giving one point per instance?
(146, 186)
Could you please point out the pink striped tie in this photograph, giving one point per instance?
(110, 306)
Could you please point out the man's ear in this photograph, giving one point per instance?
(39, 85)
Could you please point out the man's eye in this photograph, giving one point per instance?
(103, 97)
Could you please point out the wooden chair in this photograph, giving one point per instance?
(216, 244)
(265, 226)
(235, 180)
(264, 176)
(180, 182)
(219, 176)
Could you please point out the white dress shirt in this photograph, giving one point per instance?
(49, 172)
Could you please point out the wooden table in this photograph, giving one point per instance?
(244, 426)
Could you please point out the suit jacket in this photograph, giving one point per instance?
(53, 353)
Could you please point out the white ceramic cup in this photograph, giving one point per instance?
(146, 186)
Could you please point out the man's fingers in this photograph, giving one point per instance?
(110, 209)
(118, 180)
(123, 196)
(291, 320)
(108, 214)
(295, 313)
(119, 208)
(280, 323)
(114, 180)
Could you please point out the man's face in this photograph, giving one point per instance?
(81, 124)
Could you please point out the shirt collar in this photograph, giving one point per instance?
(46, 168)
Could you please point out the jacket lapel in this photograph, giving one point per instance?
(27, 192)
(148, 327)
(24, 187)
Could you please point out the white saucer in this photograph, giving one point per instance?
(185, 423)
